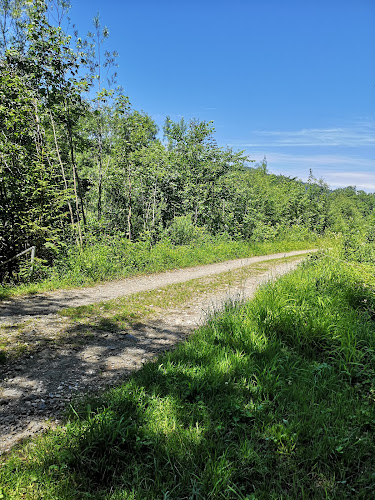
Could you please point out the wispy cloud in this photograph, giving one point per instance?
(354, 165)
(359, 135)
(362, 180)
(336, 170)
(329, 161)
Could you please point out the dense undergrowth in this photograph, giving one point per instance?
(114, 258)
(271, 399)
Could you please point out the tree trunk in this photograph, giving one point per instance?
(62, 170)
(100, 168)
(77, 183)
(129, 204)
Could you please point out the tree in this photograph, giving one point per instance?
(12, 25)
(201, 164)
(31, 205)
(134, 131)
(100, 71)
(53, 68)
(40, 101)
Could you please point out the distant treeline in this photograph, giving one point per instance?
(76, 159)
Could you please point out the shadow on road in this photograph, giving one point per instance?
(37, 390)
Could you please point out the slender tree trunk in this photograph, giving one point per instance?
(76, 180)
(129, 204)
(63, 172)
(77, 205)
(154, 207)
(145, 211)
(77, 183)
(100, 192)
(100, 128)
(100, 168)
(38, 138)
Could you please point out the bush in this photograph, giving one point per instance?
(295, 233)
(182, 231)
(264, 232)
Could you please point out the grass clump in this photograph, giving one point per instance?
(271, 399)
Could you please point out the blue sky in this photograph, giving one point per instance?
(293, 80)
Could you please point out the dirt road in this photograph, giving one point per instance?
(35, 390)
(47, 303)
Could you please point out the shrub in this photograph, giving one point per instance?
(182, 231)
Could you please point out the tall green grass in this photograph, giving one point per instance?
(273, 399)
(116, 258)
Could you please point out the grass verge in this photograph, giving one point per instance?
(271, 399)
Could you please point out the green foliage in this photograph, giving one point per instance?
(12, 22)
(182, 231)
(36, 84)
(305, 317)
(358, 242)
(31, 208)
(273, 399)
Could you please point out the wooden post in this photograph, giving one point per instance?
(32, 258)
